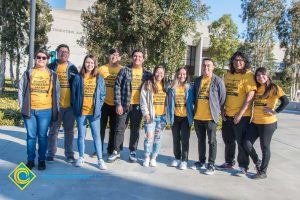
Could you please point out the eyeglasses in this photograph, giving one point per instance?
(41, 57)
(63, 52)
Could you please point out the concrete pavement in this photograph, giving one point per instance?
(124, 180)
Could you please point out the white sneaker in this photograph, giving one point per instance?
(80, 162)
(146, 162)
(152, 163)
(183, 165)
(101, 164)
(175, 163)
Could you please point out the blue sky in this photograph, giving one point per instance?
(221, 7)
(56, 3)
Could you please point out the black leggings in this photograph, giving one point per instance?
(265, 133)
(181, 135)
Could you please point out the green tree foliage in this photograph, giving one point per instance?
(43, 22)
(261, 18)
(14, 22)
(289, 35)
(223, 40)
(156, 26)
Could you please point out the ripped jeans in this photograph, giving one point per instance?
(156, 129)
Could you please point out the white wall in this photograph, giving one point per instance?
(78, 4)
(67, 29)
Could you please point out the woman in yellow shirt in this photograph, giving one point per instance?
(180, 115)
(264, 122)
(38, 97)
(88, 95)
(153, 107)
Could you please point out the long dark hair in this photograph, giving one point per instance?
(175, 81)
(270, 86)
(94, 71)
(151, 83)
(246, 60)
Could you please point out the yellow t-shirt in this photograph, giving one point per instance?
(180, 102)
(137, 75)
(109, 74)
(65, 93)
(159, 99)
(259, 117)
(237, 88)
(40, 90)
(203, 109)
(88, 92)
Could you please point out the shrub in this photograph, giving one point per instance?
(9, 108)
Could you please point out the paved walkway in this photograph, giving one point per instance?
(124, 180)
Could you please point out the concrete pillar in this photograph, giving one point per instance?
(198, 61)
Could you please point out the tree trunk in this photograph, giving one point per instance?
(2, 67)
(11, 70)
(18, 68)
(296, 85)
(293, 90)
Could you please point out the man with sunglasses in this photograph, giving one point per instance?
(66, 72)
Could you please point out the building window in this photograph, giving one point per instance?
(190, 59)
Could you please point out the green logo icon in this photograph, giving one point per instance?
(21, 176)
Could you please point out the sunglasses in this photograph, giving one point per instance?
(41, 57)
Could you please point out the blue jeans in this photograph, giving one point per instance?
(95, 128)
(156, 127)
(37, 126)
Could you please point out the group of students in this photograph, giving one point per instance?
(57, 93)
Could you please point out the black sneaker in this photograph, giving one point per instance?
(50, 159)
(71, 159)
(198, 165)
(210, 169)
(30, 164)
(132, 156)
(225, 166)
(259, 175)
(258, 166)
(113, 157)
(42, 165)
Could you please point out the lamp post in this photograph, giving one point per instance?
(32, 32)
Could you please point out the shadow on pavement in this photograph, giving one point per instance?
(62, 180)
